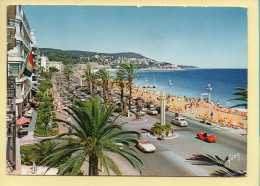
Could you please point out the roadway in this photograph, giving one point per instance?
(170, 157)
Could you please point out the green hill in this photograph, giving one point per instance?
(75, 56)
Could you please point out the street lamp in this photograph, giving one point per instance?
(162, 96)
(209, 89)
(170, 85)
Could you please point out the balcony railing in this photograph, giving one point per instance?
(21, 37)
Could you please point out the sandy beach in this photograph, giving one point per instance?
(233, 119)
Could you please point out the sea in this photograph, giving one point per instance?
(193, 82)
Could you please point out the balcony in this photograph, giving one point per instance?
(26, 26)
(20, 37)
(14, 58)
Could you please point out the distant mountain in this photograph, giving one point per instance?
(113, 59)
(74, 56)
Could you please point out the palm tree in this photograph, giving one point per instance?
(40, 69)
(208, 160)
(121, 80)
(130, 72)
(92, 136)
(87, 76)
(243, 93)
(41, 150)
(94, 78)
(105, 76)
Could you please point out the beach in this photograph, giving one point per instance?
(197, 109)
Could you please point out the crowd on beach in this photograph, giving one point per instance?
(200, 109)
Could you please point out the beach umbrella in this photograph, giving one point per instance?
(231, 119)
(219, 115)
(227, 117)
(173, 103)
(180, 105)
(207, 112)
(238, 120)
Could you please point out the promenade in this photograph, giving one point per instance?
(234, 120)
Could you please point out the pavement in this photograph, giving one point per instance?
(29, 139)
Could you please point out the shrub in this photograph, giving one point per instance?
(159, 129)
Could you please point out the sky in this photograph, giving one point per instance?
(207, 37)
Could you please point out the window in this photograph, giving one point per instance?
(14, 69)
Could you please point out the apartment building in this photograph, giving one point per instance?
(45, 63)
(21, 46)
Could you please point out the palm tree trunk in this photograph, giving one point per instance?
(122, 97)
(93, 165)
(130, 94)
(104, 91)
(93, 86)
(89, 86)
(107, 87)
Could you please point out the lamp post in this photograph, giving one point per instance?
(170, 86)
(162, 96)
(209, 89)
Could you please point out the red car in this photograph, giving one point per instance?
(207, 137)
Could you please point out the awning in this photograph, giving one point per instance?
(22, 121)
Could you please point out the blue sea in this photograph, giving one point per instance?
(191, 83)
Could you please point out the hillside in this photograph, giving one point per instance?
(75, 56)
(112, 59)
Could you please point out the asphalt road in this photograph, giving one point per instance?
(170, 157)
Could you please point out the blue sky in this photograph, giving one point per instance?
(203, 36)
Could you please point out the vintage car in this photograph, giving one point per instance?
(207, 137)
(152, 111)
(146, 146)
(180, 121)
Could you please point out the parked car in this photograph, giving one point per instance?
(133, 108)
(29, 114)
(146, 146)
(180, 121)
(152, 111)
(207, 137)
(141, 113)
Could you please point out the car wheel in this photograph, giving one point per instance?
(207, 140)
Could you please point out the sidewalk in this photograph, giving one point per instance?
(29, 138)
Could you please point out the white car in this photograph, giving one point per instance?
(146, 146)
(152, 111)
(29, 114)
(141, 113)
(180, 121)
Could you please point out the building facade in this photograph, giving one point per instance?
(45, 63)
(21, 42)
(56, 64)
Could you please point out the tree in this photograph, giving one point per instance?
(243, 93)
(105, 77)
(130, 71)
(91, 138)
(53, 69)
(37, 152)
(67, 71)
(87, 76)
(121, 80)
(208, 160)
(41, 69)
